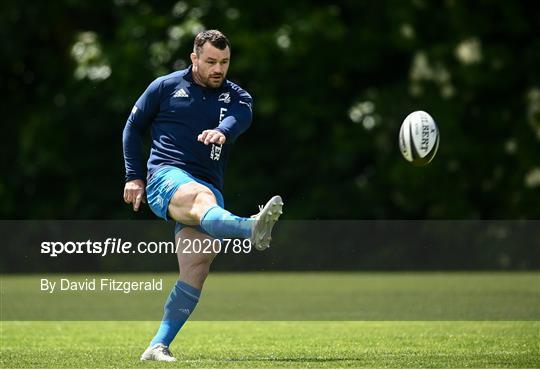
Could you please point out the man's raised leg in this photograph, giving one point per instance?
(195, 204)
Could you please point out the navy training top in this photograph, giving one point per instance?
(177, 110)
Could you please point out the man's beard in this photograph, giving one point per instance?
(214, 81)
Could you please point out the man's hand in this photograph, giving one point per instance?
(211, 137)
(134, 193)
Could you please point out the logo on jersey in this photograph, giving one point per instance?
(215, 153)
(245, 103)
(225, 97)
(181, 94)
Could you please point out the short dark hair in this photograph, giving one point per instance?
(214, 37)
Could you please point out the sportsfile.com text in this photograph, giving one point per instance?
(119, 246)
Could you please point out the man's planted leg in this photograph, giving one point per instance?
(184, 296)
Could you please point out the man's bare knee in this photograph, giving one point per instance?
(190, 202)
(204, 199)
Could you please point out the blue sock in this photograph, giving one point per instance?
(220, 223)
(179, 305)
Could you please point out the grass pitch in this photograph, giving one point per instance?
(394, 320)
(305, 344)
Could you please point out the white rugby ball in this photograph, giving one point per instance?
(419, 138)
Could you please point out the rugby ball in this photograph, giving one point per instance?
(418, 138)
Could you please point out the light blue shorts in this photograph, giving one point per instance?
(162, 185)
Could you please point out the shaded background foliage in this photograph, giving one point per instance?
(332, 82)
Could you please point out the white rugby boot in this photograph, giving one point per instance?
(158, 352)
(261, 234)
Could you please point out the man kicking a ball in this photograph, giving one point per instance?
(194, 116)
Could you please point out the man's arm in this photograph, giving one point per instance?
(139, 120)
(238, 118)
(236, 122)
